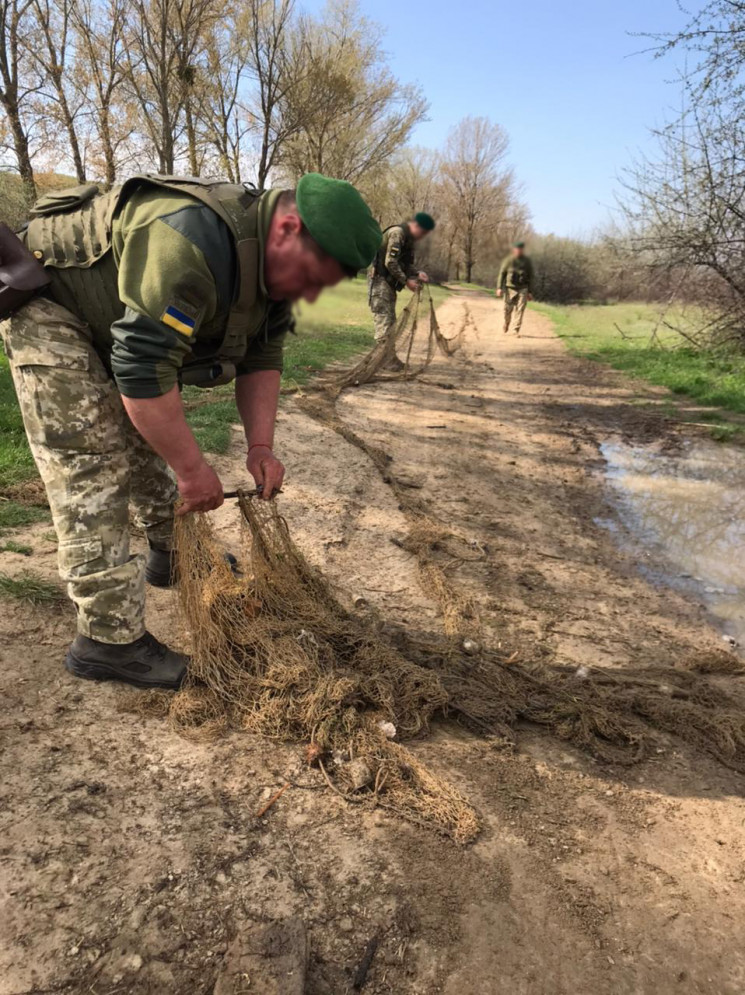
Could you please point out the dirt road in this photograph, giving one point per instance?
(130, 858)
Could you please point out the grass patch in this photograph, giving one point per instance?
(16, 547)
(16, 462)
(14, 515)
(709, 377)
(31, 588)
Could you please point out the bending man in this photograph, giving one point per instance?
(394, 270)
(155, 284)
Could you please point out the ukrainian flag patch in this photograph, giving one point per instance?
(175, 317)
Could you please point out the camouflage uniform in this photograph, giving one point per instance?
(516, 278)
(74, 352)
(393, 266)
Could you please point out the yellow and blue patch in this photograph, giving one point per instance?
(174, 317)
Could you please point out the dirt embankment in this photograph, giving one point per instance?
(129, 859)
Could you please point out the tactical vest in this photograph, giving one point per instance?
(406, 259)
(72, 229)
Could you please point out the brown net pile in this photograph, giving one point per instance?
(275, 653)
(414, 341)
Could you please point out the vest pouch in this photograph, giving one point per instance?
(207, 375)
(21, 275)
(69, 199)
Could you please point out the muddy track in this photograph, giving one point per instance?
(129, 859)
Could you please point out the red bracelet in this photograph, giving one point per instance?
(259, 445)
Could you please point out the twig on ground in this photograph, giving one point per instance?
(265, 808)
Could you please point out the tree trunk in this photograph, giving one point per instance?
(23, 158)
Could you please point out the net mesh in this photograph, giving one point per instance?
(274, 652)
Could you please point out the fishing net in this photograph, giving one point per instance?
(274, 652)
(414, 341)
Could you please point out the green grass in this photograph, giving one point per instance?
(30, 587)
(709, 377)
(16, 462)
(16, 547)
(15, 516)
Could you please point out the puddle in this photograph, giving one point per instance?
(686, 512)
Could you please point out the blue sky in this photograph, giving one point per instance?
(560, 76)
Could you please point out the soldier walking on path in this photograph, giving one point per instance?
(393, 270)
(515, 283)
(155, 284)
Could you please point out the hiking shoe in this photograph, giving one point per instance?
(145, 663)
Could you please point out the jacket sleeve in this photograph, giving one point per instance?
(266, 350)
(168, 291)
(502, 278)
(392, 256)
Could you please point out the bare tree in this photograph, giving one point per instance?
(276, 74)
(15, 88)
(49, 45)
(99, 74)
(164, 43)
(476, 185)
(353, 114)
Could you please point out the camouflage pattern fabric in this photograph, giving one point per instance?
(93, 464)
(383, 306)
(515, 301)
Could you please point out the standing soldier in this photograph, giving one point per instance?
(393, 270)
(515, 282)
(157, 283)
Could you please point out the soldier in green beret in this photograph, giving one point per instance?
(394, 269)
(515, 282)
(158, 283)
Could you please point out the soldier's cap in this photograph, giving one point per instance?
(425, 221)
(518, 245)
(338, 220)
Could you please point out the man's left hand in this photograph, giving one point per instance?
(423, 278)
(266, 470)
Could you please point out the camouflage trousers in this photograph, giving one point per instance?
(382, 299)
(93, 464)
(515, 301)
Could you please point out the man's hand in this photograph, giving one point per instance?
(499, 292)
(412, 283)
(266, 470)
(200, 490)
(423, 277)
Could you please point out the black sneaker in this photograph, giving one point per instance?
(145, 663)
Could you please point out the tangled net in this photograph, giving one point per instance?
(402, 343)
(274, 652)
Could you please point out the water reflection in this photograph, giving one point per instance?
(688, 510)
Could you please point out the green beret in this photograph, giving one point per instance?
(425, 221)
(338, 220)
(519, 245)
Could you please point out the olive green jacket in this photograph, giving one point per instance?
(158, 299)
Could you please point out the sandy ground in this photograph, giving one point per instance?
(130, 859)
